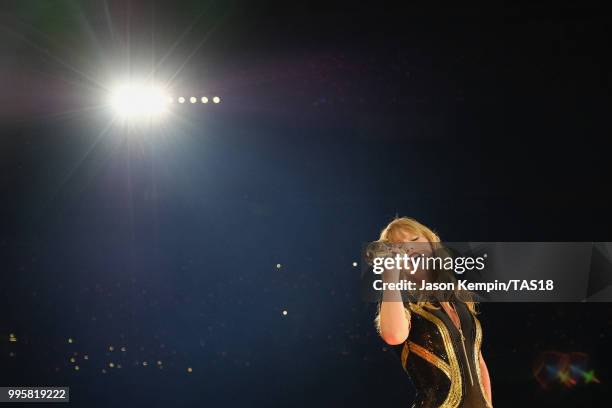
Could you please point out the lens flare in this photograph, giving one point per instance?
(139, 101)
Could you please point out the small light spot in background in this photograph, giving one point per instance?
(216, 99)
(12, 338)
(285, 313)
(111, 348)
(70, 340)
(204, 99)
(85, 357)
(189, 369)
(111, 364)
(193, 99)
(144, 364)
(123, 349)
(77, 368)
(354, 264)
(72, 359)
(181, 99)
(278, 266)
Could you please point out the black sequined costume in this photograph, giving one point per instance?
(445, 372)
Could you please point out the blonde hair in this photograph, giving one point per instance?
(393, 233)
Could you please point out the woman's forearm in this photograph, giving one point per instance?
(394, 322)
(394, 319)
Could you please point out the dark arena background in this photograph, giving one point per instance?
(211, 257)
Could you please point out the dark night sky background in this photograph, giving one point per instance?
(485, 124)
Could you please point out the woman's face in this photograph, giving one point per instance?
(407, 237)
(415, 245)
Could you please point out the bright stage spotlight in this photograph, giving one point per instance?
(204, 99)
(193, 99)
(131, 101)
(216, 99)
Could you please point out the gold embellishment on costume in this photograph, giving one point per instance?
(453, 399)
(405, 349)
(405, 352)
(477, 359)
(408, 317)
(425, 355)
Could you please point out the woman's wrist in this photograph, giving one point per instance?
(391, 276)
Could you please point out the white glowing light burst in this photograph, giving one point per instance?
(140, 101)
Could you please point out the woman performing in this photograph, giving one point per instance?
(440, 339)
